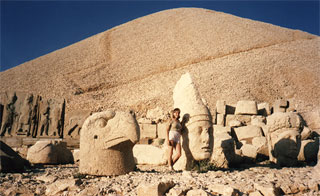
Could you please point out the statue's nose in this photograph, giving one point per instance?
(205, 136)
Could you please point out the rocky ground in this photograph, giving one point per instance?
(253, 180)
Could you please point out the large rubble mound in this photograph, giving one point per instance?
(136, 65)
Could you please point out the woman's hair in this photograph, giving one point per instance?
(174, 110)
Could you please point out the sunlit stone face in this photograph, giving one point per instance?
(199, 139)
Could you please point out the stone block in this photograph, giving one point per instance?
(162, 130)
(234, 123)
(221, 119)
(249, 150)
(154, 189)
(148, 154)
(244, 119)
(280, 105)
(197, 192)
(148, 131)
(308, 150)
(246, 107)
(76, 155)
(223, 147)
(221, 189)
(221, 107)
(49, 152)
(221, 129)
(312, 119)
(258, 120)
(268, 189)
(248, 132)
(178, 191)
(306, 132)
(264, 109)
(10, 161)
(261, 144)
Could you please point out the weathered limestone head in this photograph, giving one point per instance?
(284, 137)
(106, 142)
(196, 116)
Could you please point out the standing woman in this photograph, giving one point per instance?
(174, 131)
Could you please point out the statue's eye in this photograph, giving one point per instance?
(101, 123)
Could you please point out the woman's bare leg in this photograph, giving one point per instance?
(170, 162)
(178, 155)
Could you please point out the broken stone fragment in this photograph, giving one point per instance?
(154, 189)
(246, 107)
(50, 152)
(148, 154)
(248, 132)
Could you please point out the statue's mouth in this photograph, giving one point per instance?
(206, 148)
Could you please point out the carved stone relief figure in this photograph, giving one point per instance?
(9, 115)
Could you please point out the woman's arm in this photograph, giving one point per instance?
(167, 131)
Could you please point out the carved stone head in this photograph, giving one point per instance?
(106, 142)
(284, 137)
(199, 139)
(196, 120)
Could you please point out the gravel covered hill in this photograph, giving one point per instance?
(136, 65)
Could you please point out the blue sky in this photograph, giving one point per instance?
(30, 29)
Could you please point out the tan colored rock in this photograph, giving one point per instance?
(244, 119)
(156, 114)
(76, 155)
(220, 119)
(264, 109)
(268, 189)
(234, 123)
(248, 132)
(284, 137)
(246, 107)
(226, 190)
(261, 144)
(10, 161)
(178, 191)
(249, 150)
(223, 147)
(47, 178)
(162, 130)
(221, 107)
(49, 152)
(312, 118)
(60, 186)
(308, 150)
(258, 120)
(197, 192)
(106, 143)
(280, 105)
(148, 130)
(255, 193)
(148, 154)
(198, 123)
(306, 132)
(154, 189)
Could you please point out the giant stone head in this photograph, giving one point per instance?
(106, 142)
(196, 118)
